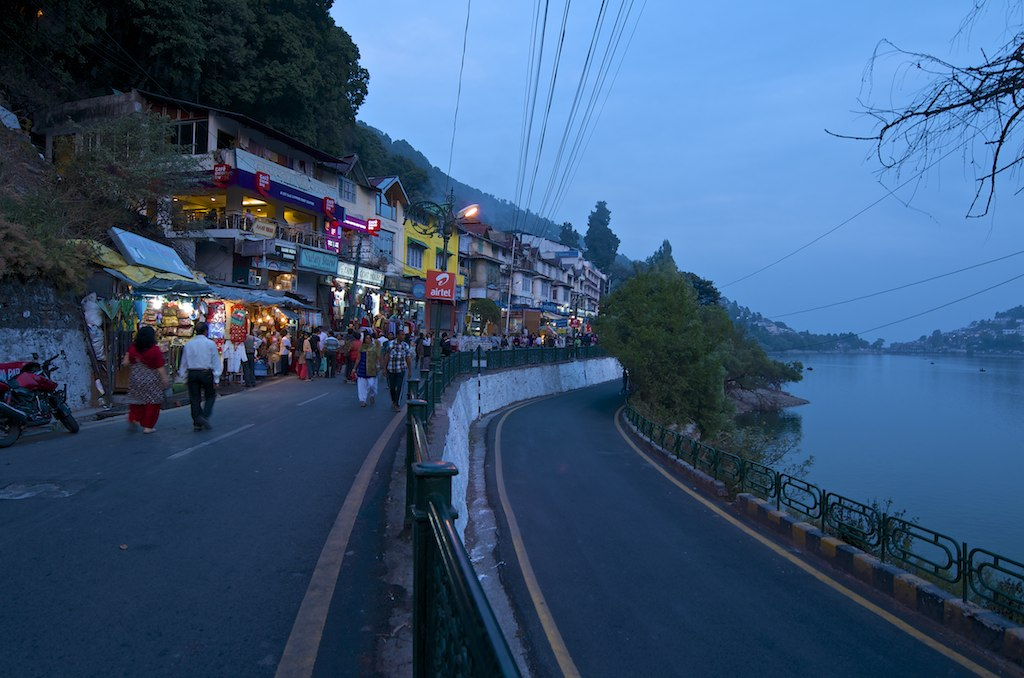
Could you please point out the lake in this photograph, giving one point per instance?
(937, 435)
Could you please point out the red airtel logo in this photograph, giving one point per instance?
(440, 286)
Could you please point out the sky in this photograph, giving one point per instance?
(710, 132)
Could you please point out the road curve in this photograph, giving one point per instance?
(617, 571)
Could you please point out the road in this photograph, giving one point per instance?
(183, 553)
(617, 570)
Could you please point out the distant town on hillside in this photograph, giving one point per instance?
(1003, 335)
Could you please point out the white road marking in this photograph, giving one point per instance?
(189, 450)
(305, 402)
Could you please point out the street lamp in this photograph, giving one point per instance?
(430, 219)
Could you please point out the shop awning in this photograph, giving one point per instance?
(144, 280)
(418, 243)
(262, 297)
(291, 315)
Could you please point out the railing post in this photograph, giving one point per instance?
(414, 385)
(433, 482)
(415, 409)
(965, 571)
(882, 538)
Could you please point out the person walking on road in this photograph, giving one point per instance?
(201, 367)
(366, 369)
(285, 348)
(398, 360)
(249, 366)
(303, 358)
(352, 359)
(331, 345)
(147, 381)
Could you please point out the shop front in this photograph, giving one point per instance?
(368, 295)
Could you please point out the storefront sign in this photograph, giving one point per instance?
(328, 206)
(367, 276)
(321, 262)
(395, 283)
(263, 184)
(440, 286)
(351, 223)
(221, 174)
(284, 252)
(264, 228)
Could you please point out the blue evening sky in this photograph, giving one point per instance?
(712, 136)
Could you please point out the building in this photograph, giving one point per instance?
(274, 212)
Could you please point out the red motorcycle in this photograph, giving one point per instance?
(33, 398)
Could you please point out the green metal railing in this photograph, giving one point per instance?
(976, 574)
(455, 631)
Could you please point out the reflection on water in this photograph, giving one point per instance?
(773, 439)
(939, 436)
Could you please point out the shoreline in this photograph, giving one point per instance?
(763, 400)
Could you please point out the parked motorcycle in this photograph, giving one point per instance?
(33, 398)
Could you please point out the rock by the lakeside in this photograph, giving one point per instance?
(763, 400)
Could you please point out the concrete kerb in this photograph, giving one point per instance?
(982, 627)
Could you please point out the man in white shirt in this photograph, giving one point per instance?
(201, 367)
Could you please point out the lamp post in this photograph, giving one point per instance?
(429, 219)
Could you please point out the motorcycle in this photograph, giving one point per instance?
(33, 398)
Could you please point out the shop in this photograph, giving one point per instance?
(368, 294)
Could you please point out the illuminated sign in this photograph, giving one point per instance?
(263, 184)
(440, 286)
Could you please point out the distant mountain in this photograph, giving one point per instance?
(1003, 334)
(775, 336)
(501, 213)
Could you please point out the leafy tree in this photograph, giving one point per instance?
(125, 169)
(652, 323)
(707, 293)
(569, 236)
(981, 102)
(486, 311)
(602, 244)
(662, 259)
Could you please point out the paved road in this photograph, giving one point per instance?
(188, 554)
(635, 577)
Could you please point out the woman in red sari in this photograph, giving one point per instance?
(147, 381)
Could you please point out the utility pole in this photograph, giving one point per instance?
(351, 306)
(511, 274)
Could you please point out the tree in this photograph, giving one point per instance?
(569, 237)
(602, 244)
(485, 312)
(977, 106)
(652, 324)
(662, 259)
(128, 168)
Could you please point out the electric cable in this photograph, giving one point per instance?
(895, 289)
(458, 96)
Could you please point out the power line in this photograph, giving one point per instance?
(889, 192)
(458, 96)
(941, 306)
(895, 289)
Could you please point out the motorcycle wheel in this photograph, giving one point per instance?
(10, 431)
(65, 417)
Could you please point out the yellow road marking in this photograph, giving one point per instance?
(831, 583)
(299, 656)
(561, 652)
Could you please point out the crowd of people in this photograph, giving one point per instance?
(358, 355)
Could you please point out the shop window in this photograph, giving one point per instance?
(225, 139)
(415, 256)
(347, 189)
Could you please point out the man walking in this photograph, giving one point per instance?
(201, 366)
(398, 360)
(249, 366)
(331, 345)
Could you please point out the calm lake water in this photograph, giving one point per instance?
(937, 435)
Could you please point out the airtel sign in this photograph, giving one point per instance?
(440, 286)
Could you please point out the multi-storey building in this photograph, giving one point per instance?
(273, 212)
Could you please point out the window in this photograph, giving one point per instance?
(439, 261)
(385, 243)
(414, 258)
(384, 209)
(192, 137)
(347, 189)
